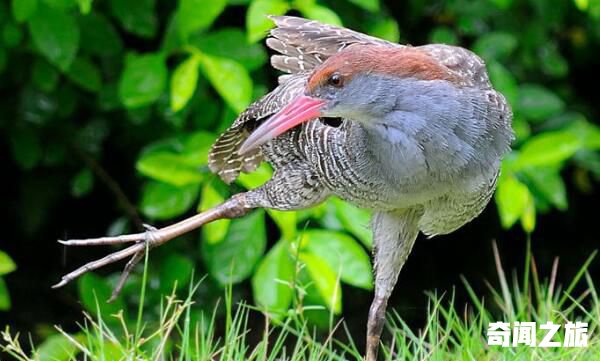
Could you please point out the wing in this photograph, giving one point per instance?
(302, 45)
(465, 64)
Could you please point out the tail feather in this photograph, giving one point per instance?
(224, 159)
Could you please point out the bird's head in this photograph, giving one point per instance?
(357, 83)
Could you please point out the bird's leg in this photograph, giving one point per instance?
(234, 207)
(289, 189)
(394, 234)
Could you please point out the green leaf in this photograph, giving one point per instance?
(521, 128)
(169, 168)
(582, 4)
(503, 4)
(234, 259)
(99, 36)
(587, 133)
(85, 6)
(386, 28)
(549, 148)
(7, 265)
(233, 44)
(257, 22)
(57, 348)
(183, 82)
(44, 75)
(56, 35)
(177, 161)
(143, 79)
(590, 161)
(11, 35)
(82, 183)
(137, 17)
(343, 255)
(5, 303)
(257, 178)
(165, 201)
(268, 285)
(175, 269)
(495, 45)
(503, 81)
(324, 279)
(548, 182)
(552, 61)
(369, 5)
(26, 148)
(94, 291)
(355, 220)
(194, 15)
(286, 221)
(22, 10)
(61, 4)
(230, 79)
(538, 103)
(215, 231)
(321, 13)
(512, 199)
(85, 74)
(172, 39)
(528, 217)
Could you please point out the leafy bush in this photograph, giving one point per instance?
(164, 78)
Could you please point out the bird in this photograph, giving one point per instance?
(416, 134)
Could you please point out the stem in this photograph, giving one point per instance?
(142, 293)
(112, 185)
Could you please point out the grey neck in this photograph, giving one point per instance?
(424, 131)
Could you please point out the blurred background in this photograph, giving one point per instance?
(108, 110)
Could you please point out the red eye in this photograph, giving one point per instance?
(336, 80)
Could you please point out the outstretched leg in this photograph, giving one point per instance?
(294, 188)
(394, 234)
(234, 207)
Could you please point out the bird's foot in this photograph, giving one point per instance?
(149, 240)
(144, 241)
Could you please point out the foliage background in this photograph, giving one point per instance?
(108, 109)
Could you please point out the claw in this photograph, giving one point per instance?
(90, 266)
(149, 227)
(127, 238)
(60, 284)
(150, 239)
(125, 274)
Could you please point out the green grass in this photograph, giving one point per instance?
(451, 331)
